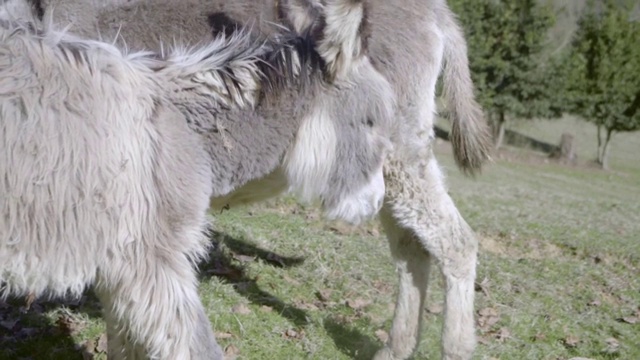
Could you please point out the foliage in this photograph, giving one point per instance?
(506, 40)
(604, 71)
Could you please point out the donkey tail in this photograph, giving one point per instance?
(470, 134)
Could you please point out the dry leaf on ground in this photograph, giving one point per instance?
(241, 309)
(324, 295)
(482, 286)
(303, 305)
(612, 345)
(88, 349)
(503, 334)
(487, 317)
(382, 336)
(630, 319)
(243, 258)
(358, 304)
(594, 303)
(539, 337)
(102, 344)
(223, 335)
(231, 352)
(571, 341)
(293, 334)
(68, 324)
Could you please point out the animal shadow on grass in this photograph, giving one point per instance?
(39, 329)
(349, 340)
(221, 264)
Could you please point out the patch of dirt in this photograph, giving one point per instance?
(493, 246)
(535, 249)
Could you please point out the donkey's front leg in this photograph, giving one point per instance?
(413, 266)
(419, 204)
(119, 345)
(153, 310)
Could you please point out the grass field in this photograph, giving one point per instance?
(558, 275)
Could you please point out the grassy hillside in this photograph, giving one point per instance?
(558, 275)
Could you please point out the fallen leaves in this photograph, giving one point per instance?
(303, 305)
(612, 345)
(358, 304)
(68, 323)
(482, 286)
(102, 344)
(539, 337)
(92, 347)
(595, 303)
(382, 335)
(324, 295)
(231, 352)
(241, 309)
(244, 258)
(487, 317)
(571, 341)
(222, 335)
(293, 334)
(630, 319)
(503, 334)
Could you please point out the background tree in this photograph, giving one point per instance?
(604, 72)
(506, 51)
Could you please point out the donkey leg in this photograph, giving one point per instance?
(119, 345)
(419, 203)
(153, 310)
(413, 266)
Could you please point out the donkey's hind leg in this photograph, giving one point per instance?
(419, 204)
(153, 310)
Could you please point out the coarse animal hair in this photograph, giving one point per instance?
(409, 43)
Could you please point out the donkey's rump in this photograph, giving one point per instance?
(76, 138)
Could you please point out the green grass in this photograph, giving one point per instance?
(559, 259)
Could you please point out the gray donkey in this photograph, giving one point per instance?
(109, 159)
(407, 42)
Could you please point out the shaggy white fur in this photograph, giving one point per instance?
(109, 159)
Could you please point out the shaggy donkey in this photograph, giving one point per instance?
(109, 159)
(408, 42)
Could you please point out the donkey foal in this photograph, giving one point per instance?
(110, 159)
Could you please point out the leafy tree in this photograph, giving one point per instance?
(506, 41)
(604, 85)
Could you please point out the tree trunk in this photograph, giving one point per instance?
(605, 150)
(599, 154)
(500, 130)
